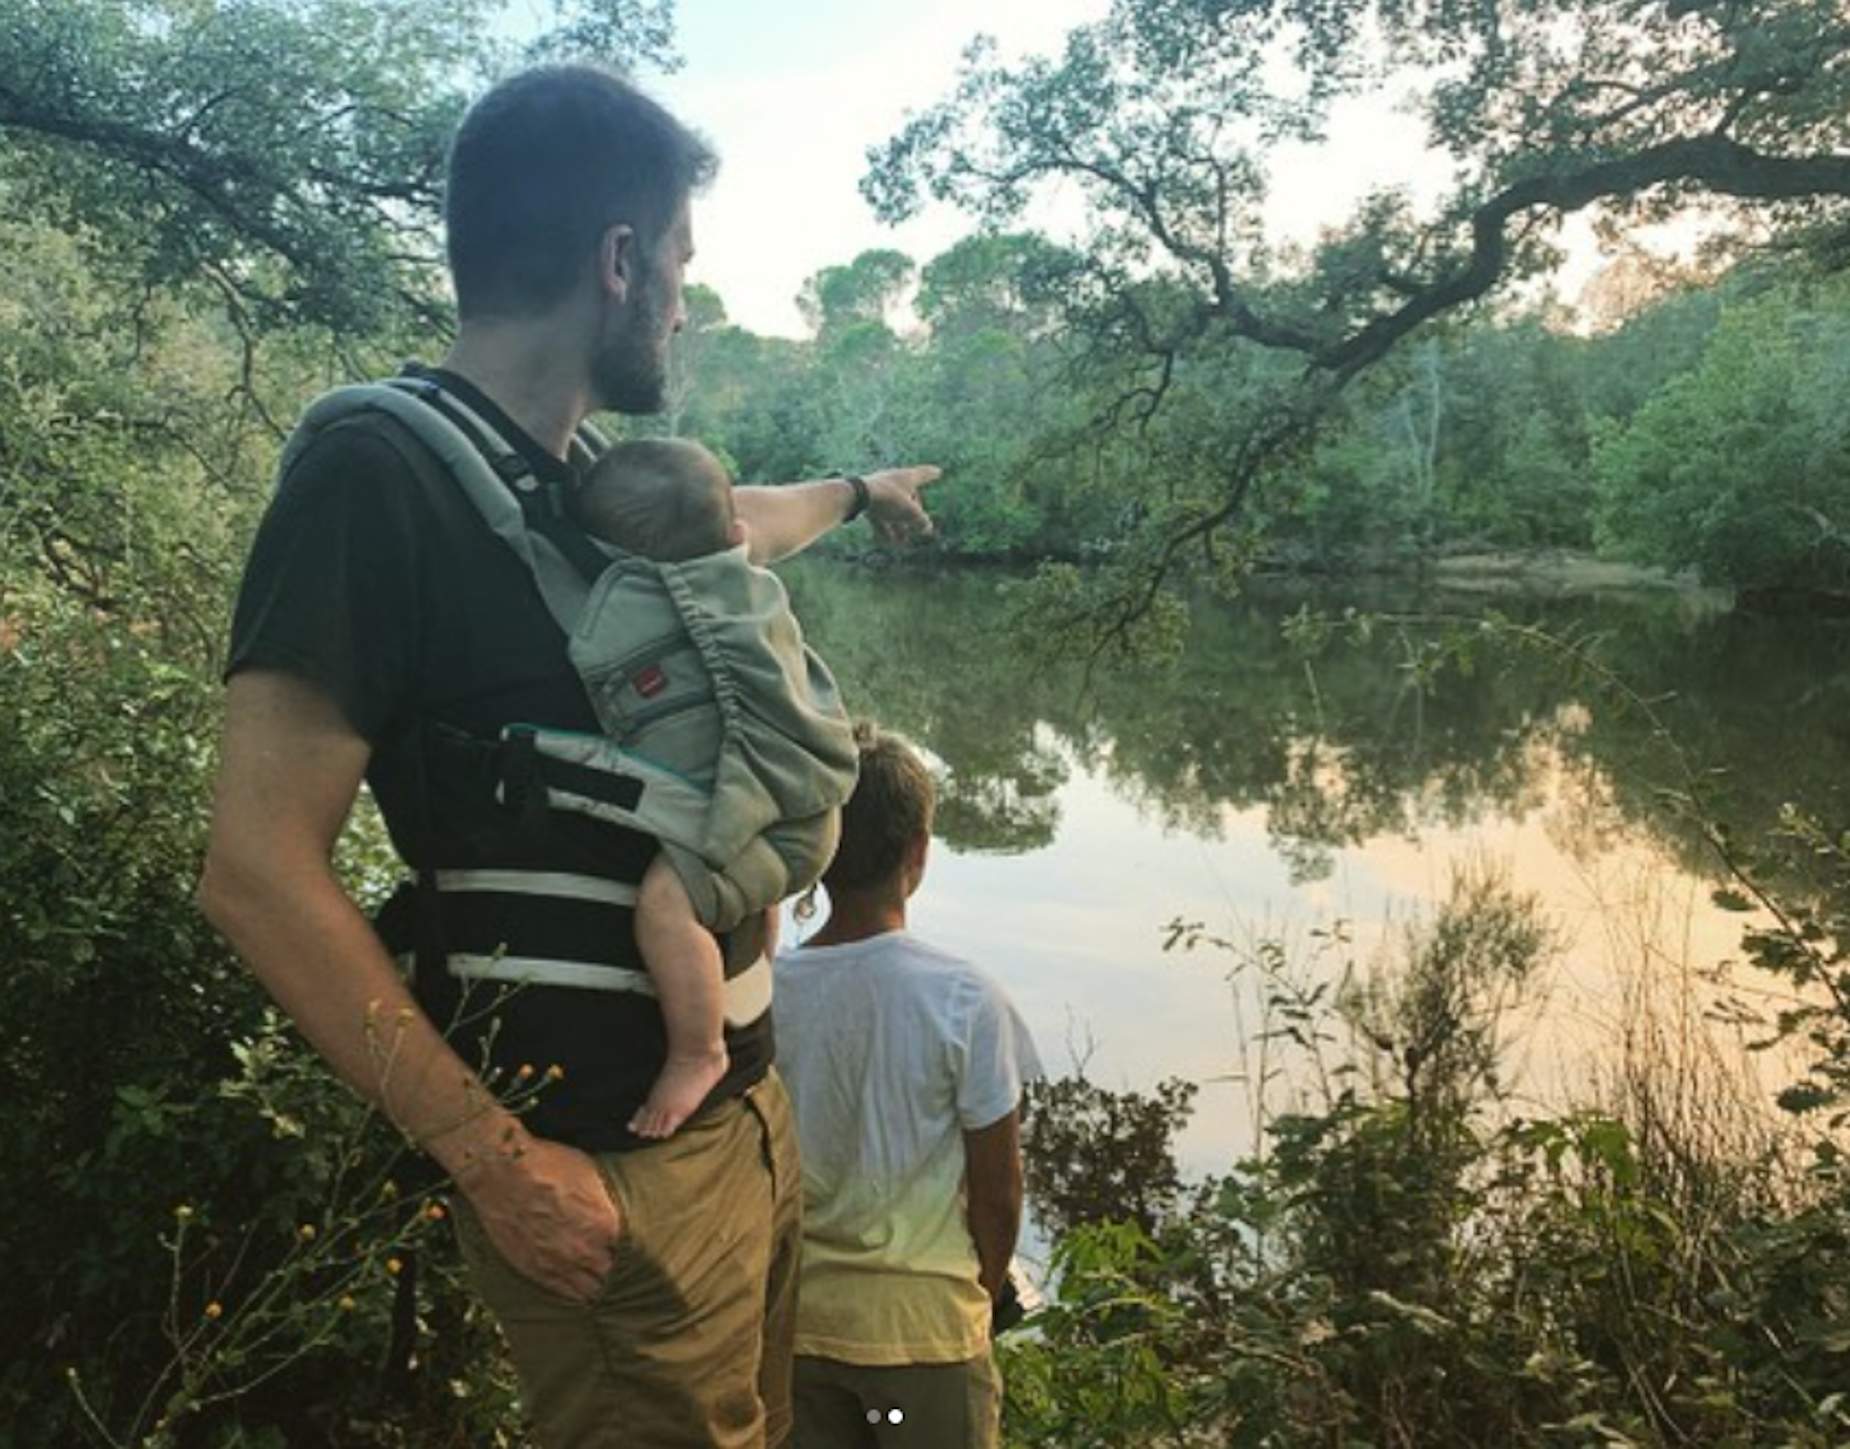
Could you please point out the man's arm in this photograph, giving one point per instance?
(789, 517)
(992, 1169)
(289, 770)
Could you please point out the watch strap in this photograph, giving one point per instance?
(862, 496)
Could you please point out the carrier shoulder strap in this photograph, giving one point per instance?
(492, 474)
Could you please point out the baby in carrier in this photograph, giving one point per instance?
(695, 664)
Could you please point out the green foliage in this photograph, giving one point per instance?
(1003, 281)
(979, 395)
(1808, 946)
(1163, 120)
(1095, 1154)
(213, 211)
(864, 291)
(135, 1051)
(278, 1287)
(115, 549)
(1404, 1264)
(1503, 432)
(1740, 469)
(289, 156)
(216, 209)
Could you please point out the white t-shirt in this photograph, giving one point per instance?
(892, 1050)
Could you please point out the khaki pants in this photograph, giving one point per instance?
(688, 1345)
(911, 1406)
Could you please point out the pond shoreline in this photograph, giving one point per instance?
(1544, 573)
(1554, 573)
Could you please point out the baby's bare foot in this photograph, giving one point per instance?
(685, 1080)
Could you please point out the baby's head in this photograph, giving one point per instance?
(662, 498)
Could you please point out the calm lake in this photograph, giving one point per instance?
(1272, 792)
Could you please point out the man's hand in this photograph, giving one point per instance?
(788, 517)
(545, 1206)
(893, 505)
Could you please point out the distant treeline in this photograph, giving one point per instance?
(1691, 425)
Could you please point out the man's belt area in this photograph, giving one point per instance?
(475, 953)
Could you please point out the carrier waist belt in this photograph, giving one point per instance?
(747, 993)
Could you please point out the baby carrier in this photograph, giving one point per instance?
(646, 654)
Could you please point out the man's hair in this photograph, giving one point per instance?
(664, 498)
(541, 166)
(891, 807)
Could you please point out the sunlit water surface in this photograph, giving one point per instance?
(1324, 800)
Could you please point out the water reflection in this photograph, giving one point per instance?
(1262, 789)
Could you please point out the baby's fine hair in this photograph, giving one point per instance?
(666, 499)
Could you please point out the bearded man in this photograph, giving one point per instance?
(384, 633)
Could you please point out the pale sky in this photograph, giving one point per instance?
(793, 94)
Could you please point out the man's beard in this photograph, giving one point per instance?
(630, 371)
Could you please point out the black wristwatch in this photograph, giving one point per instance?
(861, 496)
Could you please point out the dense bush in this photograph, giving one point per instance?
(142, 1071)
(1404, 1263)
(146, 1079)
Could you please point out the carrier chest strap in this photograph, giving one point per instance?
(566, 885)
(746, 994)
(743, 999)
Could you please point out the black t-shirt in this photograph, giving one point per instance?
(374, 578)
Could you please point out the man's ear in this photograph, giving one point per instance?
(617, 261)
(736, 533)
(917, 849)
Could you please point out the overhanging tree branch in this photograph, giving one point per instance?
(1715, 163)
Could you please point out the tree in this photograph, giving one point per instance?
(230, 200)
(706, 316)
(1419, 411)
(289, 156)
(865, 291)
(1741, 467)
(1163, 116)
(1007, 281)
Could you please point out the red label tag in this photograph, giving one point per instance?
(650, 682)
